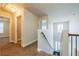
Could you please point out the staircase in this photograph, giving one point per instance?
(55, 52)
(72, 47)
(44, 44)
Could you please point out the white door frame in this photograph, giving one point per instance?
(53, 29)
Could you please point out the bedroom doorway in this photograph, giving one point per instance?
(59, 27)
(19, 29)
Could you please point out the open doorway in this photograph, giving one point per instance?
(19, 29)
(59, 27)
(4, 30)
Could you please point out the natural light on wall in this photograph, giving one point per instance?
(60, 28)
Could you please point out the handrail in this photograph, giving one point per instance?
(76, 35)
(46, 39)
(73, 34)
(55, 52)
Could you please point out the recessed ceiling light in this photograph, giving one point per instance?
(13, 9)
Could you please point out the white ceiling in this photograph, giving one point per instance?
(49, 8)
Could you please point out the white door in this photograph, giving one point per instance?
(58, 27)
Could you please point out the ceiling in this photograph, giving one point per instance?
(42, 9)
(11, 7)
(49, 8)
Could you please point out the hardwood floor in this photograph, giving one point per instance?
(10, 49)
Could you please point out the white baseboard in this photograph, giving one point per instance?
(29, 43)
(39, 50)
(44, 51)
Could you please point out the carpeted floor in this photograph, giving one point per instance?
(10, 49)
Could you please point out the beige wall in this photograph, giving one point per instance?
(29, 28)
